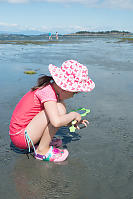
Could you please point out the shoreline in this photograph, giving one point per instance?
(100, 155)
(63, 39)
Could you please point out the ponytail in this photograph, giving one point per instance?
(42, 82)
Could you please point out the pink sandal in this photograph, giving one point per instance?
(53, 155)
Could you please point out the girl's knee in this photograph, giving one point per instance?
(61, 108)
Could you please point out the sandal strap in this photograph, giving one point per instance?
(29, 140)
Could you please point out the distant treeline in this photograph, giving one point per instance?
(103, 32)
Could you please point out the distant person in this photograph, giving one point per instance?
(57, 35)
(50, 36)
(41, 111)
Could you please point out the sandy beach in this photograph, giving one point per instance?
(100, 164)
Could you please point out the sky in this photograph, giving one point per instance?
(65, 16)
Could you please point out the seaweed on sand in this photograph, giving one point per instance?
(126, 39)
(30, 72)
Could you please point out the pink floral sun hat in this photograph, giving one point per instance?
(72, 76)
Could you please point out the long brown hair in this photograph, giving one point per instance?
(42, 82)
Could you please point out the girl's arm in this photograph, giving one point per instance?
(55, 118)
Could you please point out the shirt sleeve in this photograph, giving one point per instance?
(46, 94)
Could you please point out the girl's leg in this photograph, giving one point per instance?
(40, 129)
(46, 138)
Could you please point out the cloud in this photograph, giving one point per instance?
(12, 27)
(124, 4)
(62, 29)
(120, 4)
(2, 24)
(52, 1)
(43, 29)
(16, 1)
(112, 4)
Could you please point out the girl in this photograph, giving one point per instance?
(42, 111)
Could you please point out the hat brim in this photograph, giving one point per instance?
(72, 86)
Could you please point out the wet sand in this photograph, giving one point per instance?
(100, 164)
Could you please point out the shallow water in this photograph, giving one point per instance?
(100, 164)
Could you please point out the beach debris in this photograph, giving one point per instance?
(30, 72)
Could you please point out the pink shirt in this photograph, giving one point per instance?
(29, 106)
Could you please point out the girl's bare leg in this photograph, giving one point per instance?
(46, 138)
(40, 129)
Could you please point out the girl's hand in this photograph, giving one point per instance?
(77, 117)
(84, 122)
